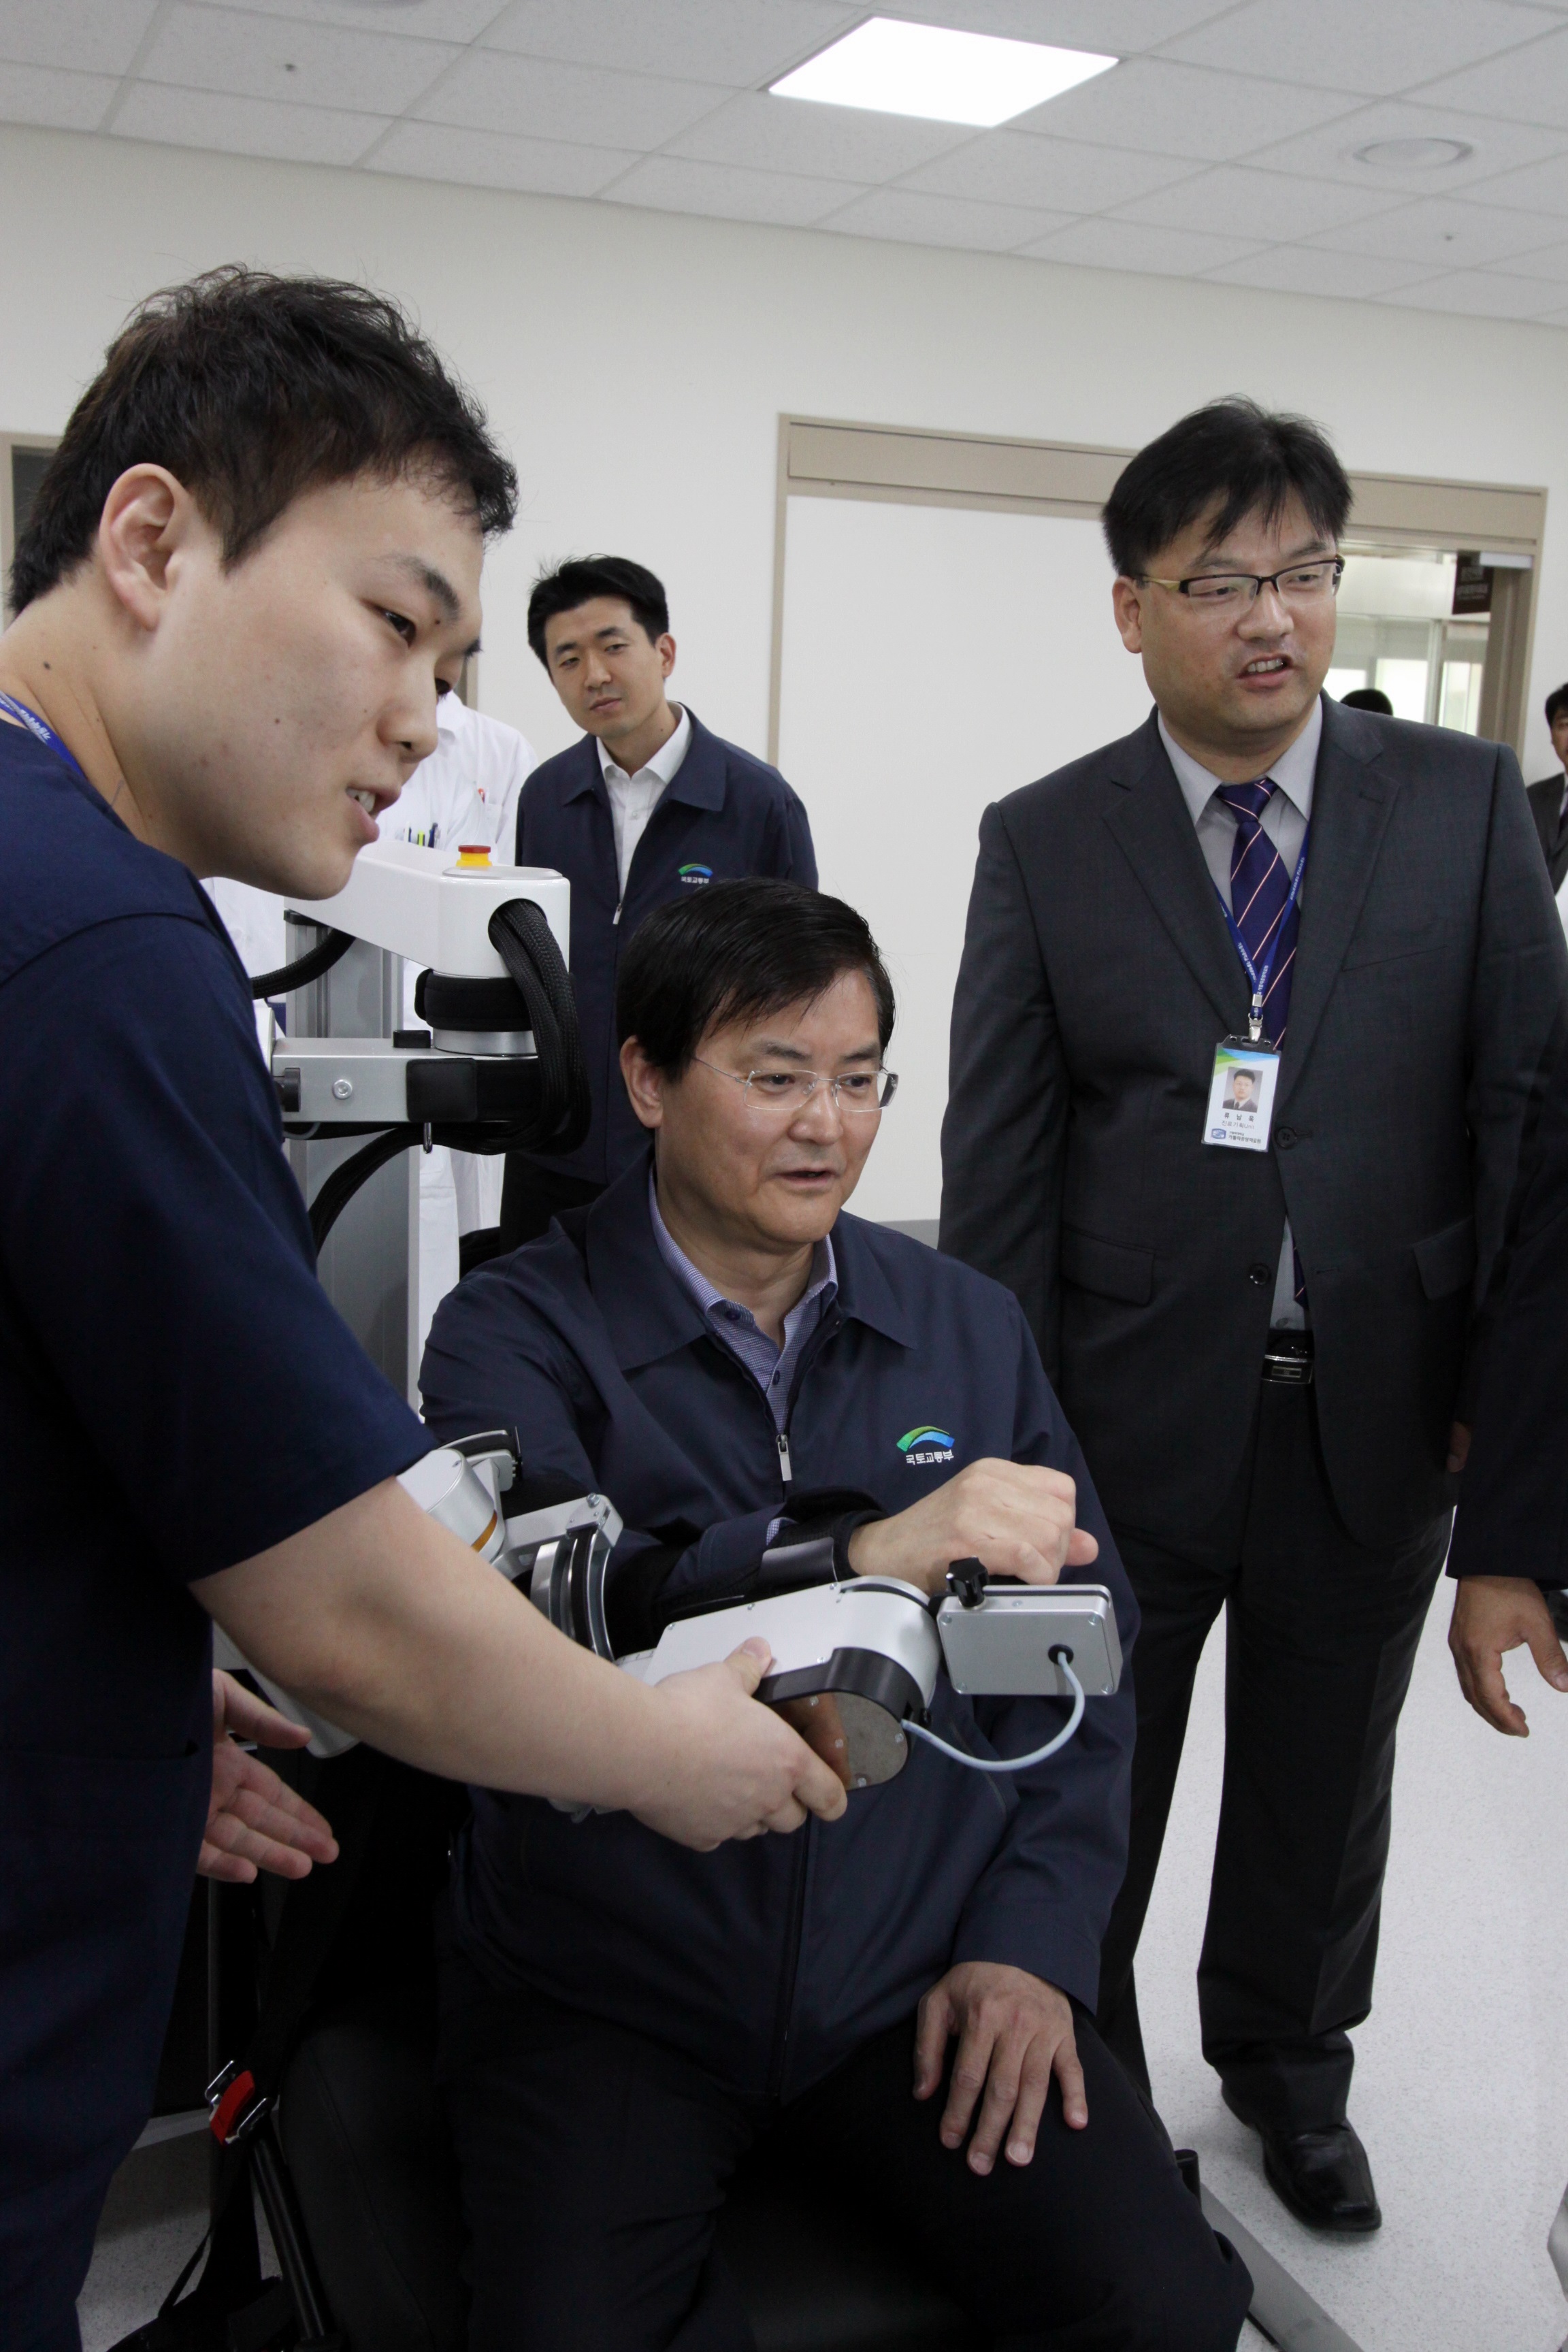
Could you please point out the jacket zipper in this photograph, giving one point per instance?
(801, 1858)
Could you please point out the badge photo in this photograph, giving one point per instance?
(1241, 1095)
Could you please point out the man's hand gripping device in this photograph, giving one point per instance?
(854, 1662)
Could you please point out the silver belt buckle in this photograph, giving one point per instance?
(1289, 1358)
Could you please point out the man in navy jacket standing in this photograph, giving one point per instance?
(721, 1352)
(648, 808)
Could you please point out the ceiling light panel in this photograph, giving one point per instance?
(887, 67)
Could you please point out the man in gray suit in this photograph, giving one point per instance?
(1260, 1337)
(1549, 798)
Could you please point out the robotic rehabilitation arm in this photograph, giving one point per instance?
(855, 1663)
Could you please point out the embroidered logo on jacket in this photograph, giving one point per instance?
(926, 1445)
(697, 875)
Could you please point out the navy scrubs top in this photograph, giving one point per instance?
(176, 1394)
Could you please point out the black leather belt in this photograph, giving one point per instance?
(1289, 1358)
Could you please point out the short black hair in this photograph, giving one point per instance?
(562, 587)
(1233, 454)
(1555, 701)
(1368, 698)
(737, 952)
(250, 389)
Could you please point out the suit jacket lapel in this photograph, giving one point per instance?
(1149, 818)
(1352, 804)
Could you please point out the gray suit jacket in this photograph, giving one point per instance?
(1545, 803)
(1098, 976)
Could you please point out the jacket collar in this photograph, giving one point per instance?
(651, 1314)
(699, 781)
(1351, 799)
(1152, 824)
(1352, 804)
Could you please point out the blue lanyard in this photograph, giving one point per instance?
(1260, 979)
(44, 731)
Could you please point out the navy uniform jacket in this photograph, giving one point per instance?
(176, 1394)
(722, 817)
(770, 1961)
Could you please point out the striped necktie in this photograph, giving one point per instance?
(1259, 890)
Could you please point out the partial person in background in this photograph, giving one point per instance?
(1261, 1342)
(1367, 698)
(466, 791)
(1510, 1553)
(1549, 798)
(645, 807)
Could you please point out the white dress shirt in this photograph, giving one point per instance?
(633, 799)
(1285, 821)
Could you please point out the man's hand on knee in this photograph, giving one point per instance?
(1492, 1615)
(1015, 2032)
(1015, 1518)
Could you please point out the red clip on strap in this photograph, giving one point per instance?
(231, 2108)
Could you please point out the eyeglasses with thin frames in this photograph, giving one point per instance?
(778, 1094)
(1233, 592)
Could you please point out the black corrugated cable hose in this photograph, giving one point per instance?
(304, 969)
(522, 939)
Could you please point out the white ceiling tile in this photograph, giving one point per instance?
(668, 184)
(1442, 233)
(1119, 244)
(1539, 187)
(735, 42)
(244, 126)
(489, 159)
(839, 142)
(1112, 27)
(296, 64)
(1375, 49)
(84, 36)
(540, 98)
(1330, 152)
(1527, 86)
(1541, 261)
(914, 219)
(1480, 294)
(1174, 110)
(1007, 167)
(1300, 270)
(64, 101)
(433, 20)
(1264, 204)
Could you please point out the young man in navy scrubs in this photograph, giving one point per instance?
(646, 808)
(253, 559)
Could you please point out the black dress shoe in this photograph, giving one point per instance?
(1325, 2177)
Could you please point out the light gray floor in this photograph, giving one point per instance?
(1461, 2089)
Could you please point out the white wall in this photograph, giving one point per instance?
(1033, 677)
(636, 362)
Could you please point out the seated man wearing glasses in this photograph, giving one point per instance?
(723, 1351)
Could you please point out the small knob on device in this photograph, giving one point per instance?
(966, 1581)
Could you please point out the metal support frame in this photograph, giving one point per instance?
(369, 1264)
(1284, 2311)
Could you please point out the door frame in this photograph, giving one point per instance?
(826, 457)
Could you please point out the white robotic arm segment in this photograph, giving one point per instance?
(854, 1664)
(427, 906)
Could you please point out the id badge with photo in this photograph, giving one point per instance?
(1241, 1093)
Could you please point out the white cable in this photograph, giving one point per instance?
(1011, 1763)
